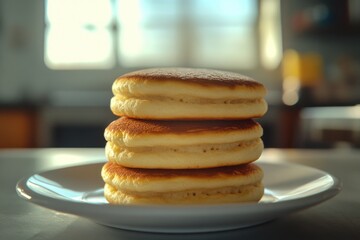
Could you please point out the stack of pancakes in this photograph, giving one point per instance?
(184, 136)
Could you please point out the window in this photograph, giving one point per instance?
(144, 33)
(270, 33)
(78, 34)
(150, 32)
(224, 34)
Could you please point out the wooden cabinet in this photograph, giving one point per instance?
(17, 128)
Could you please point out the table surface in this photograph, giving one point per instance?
(337, 218)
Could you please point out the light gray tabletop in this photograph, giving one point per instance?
(337, 218)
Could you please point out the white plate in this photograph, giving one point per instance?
(78, 190)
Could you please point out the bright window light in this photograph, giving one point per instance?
(149, 33)
(270, 33)
(224, 34)
(236, 48)
(100, 34)
(78, 34)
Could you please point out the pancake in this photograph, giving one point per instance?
(187, 94)
(141, 143)
(240, 183)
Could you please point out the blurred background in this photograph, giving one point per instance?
(58, 59)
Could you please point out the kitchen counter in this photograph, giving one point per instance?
(337, 218)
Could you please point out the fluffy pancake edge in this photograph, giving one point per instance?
(249, 193)
(177, 157)
(146, 109)
(141, 133)
(164, 180)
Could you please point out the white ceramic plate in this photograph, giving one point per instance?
(78, 190)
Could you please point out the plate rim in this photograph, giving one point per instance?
(105, 210)
(21, 184)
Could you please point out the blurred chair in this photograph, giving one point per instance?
(330, 127)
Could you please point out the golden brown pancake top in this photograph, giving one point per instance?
(227, 171)
(204, 77)
(141, 126)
